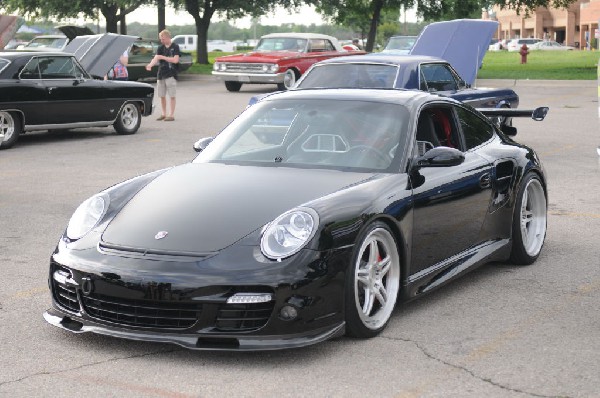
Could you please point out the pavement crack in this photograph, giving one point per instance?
(468, 371)
(147, 354)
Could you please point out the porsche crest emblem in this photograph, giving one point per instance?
(161, 234)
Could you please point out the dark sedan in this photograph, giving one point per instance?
(416, 72)
(51, 91)
(311, 215)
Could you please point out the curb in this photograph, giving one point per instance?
(534, 83)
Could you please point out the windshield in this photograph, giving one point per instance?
(338, 134)
(47, 42)
(350, 75)
(401, 43)
(281, 44)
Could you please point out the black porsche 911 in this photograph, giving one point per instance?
(66, 90)
(311, 215)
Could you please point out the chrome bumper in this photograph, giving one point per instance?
(256, 78)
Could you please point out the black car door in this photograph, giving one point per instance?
(450, 203)
(30, 94)
(73, 97)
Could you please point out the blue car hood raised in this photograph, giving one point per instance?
(462, 42)
(205, 207)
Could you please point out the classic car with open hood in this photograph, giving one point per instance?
(63, 90)
(313, 214)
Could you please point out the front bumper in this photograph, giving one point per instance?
(252, 78)
(187, 302)
(195, 342)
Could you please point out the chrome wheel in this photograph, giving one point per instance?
(376, 278)
(10, 128)
(533, 217)
(129, 119)
(7, 126)
(529, 221)
(129, 116)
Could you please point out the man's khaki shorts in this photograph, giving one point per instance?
(167, 86)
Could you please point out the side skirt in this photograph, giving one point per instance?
(451, 268)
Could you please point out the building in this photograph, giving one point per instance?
(576, 25)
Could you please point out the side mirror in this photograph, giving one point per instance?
(202, 143)
(441, 156)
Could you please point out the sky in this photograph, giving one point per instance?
(306, 16)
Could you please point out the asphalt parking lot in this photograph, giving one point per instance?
(500, 331)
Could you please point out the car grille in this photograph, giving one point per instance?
(144, 313)
(65, 296)
(239, 67)
(243, 317)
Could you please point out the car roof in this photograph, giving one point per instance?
(300, 35)
(383, 58)
(12, 55)
(411, 99)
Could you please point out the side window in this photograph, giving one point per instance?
(436, 127)
(58, 68)
(321, 45)
(142, 47)
(439, 77)
(475, 129)
(31, 70)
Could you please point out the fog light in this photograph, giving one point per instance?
(249, 298)
(288, 313)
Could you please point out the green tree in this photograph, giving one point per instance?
(114, 11)
(345, 12)
(204, 10)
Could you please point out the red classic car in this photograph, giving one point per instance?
(279, 58)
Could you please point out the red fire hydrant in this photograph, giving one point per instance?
(524, 51)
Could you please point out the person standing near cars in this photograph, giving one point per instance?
(167, 58)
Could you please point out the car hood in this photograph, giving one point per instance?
(206, 207)
(98, 53)
(462, 42)
(260, 56)
(72, 31)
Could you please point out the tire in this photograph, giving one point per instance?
(289, 79)
(372, 282)
(10, 127)
(233, 87)
(529, 221)
(129, 119)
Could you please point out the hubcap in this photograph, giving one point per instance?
(377, 279)
(289, 79)
(533, 217)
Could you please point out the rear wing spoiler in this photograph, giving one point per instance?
(537, 114)
(503, 114)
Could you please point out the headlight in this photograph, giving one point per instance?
(273, 68)
(289, 232)
(87, 216)
(216, 66)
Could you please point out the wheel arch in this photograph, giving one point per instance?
(399, 237)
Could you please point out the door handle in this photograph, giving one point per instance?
(50, 89)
